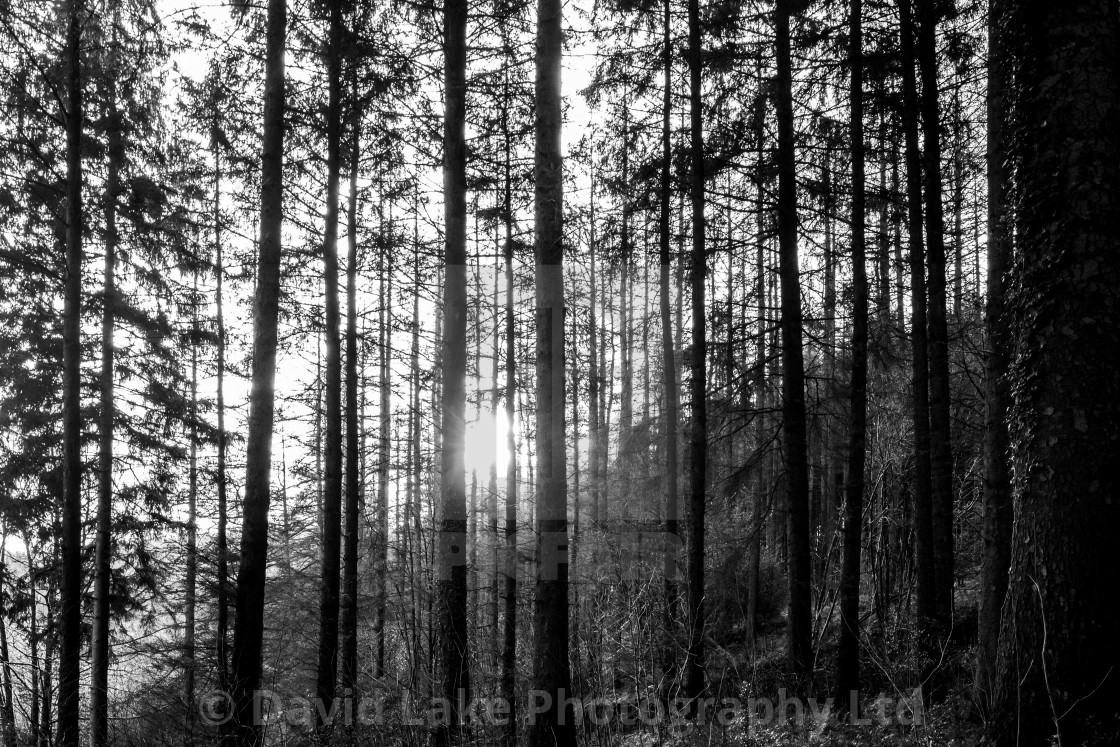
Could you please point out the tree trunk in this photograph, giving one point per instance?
(1059, 655)
(385, 345)
(248, 631)
(221, 542)
(191, 580)
(997, 524)
(793, 370)
(453, 523)
(327, 670)
(848, 655)
(509, 631)
(551, 668)
(668, 364)
(348, 632)
(7, 712)
(941, 452)
(698, 433)
(922, 517)
(70, 613)
(102, 580)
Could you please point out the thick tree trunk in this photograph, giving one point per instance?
(847, 675)
(1059, 653)
(997, 525)
(248, 632)
(941, 452)
(102, 580)
(70, 612)
(698, 431)
(453, 521)
(327, 670)
(922, 516)
(793, 370)
(551, 667)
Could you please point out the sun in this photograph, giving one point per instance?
(486, 445)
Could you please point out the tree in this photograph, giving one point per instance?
(348, 634)
(551, 668)
(1058, 655)
(668, 353)
(453, 522)
(698, 433)
(248, 631)
(997, 524)
(327, 670)
(793, 365)
(941, 452)
(70, 615)
(99, 649)
(848, 654)
(922, 516)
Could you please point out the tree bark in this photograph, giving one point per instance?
(1059, 655)
(348, 632)
(191, 580)
(941, 452)
(102, 581)
(996, 531)
(551, 668)
(668, 363)
(848, 654)
(327, 670)
(793, 370)
(453, 522)
(385, 344)
(922, 516)
(248, 632)
(698, 432)
(70, 602)
(221, 542)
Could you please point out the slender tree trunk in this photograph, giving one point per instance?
(551, 667)
(33, 645)
(189, 612)
(70, 612)
(793, 369)
(668, 364)
(509, 631)
(102, 581)
(248, 632)
(453, 522)
(922, 516)
(327, 670)
(698, 435)
(941, 452)
(7, 712)
(997, 525)
(385, 345)
(1059, 656)
(848, 654)
(348, 632)
(762, 486)
(221, 542)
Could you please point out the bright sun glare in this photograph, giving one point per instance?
(486, 445)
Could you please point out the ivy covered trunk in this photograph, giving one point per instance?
(1059, 661)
